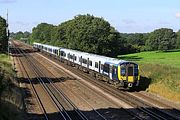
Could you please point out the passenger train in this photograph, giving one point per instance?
(120, 73)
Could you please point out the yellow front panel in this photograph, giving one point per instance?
(119, 73)
(130, 79)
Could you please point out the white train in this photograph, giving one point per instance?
(119, 72)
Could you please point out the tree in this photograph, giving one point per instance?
(42, 32)
(178, 40)
(3, 35)
(86, 33)
(161, 39)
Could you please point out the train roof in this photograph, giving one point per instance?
(45, 45)
(91, 56)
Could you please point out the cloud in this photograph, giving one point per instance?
(128, 21)
(178, 15)
(7, 1)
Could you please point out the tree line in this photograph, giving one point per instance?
(96, 35)
(3, 35)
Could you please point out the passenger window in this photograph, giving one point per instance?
(96, 64)
(84, 61)
(90, 63)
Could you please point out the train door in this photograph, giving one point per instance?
(81, 60)
(130, 72)
(88, 63)
(115, 72)
(110, 72)
(73, 57)
(99, 66)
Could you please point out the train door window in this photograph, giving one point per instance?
(75, 58)
(106, 68)
(114, 70)
(80, 59)
(96, 64)
(90, 62)
(68, 55)
(102, 66)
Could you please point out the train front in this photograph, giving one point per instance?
(129, 74)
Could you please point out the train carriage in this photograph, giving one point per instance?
(121, 72)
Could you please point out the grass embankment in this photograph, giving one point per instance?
(163, 69)
(10, 93)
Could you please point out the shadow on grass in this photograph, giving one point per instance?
(143, 84)
(131, 58)
(178, 50)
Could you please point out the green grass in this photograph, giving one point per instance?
(7, 110)
(162, 68)
(170, 58)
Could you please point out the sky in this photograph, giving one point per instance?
(127, 16)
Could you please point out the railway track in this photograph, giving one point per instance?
(26, 75)
(143, 110)
(64, 114)
(149, 110)
(88, 88)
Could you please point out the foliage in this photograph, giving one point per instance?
(20, 35)
(178, 40)
(84, 32)
(3, 35)
(161, 39)
(95, 35)
(137, 40)
(6, 72)
(42, 32)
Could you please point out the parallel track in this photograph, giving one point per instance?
(22, 67)
(146, 108)
(55, 92)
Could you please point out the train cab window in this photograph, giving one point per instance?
(96, 64)
(123, 71)
(130, 71)
(84, 61)
(90, 63)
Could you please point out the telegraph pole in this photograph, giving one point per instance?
(7, 30)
